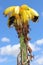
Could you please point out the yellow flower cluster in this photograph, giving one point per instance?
(22, 14)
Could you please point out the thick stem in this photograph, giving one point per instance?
(22, 33)
(23, 50)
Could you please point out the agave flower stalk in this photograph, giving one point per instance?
(19, 16)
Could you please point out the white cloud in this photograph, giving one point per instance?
(15, 49)
(34, 47)
(10, 50)
(3, 60)
(39, 42)
(40, 60)
(5, 39)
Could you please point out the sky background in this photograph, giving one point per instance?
(9, 42)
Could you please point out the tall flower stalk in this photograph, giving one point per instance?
(19, 16)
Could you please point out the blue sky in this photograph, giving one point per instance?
(9, 42)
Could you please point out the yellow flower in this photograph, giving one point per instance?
(28, 13)
(21, 14)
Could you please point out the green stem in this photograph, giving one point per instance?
(23, 50)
